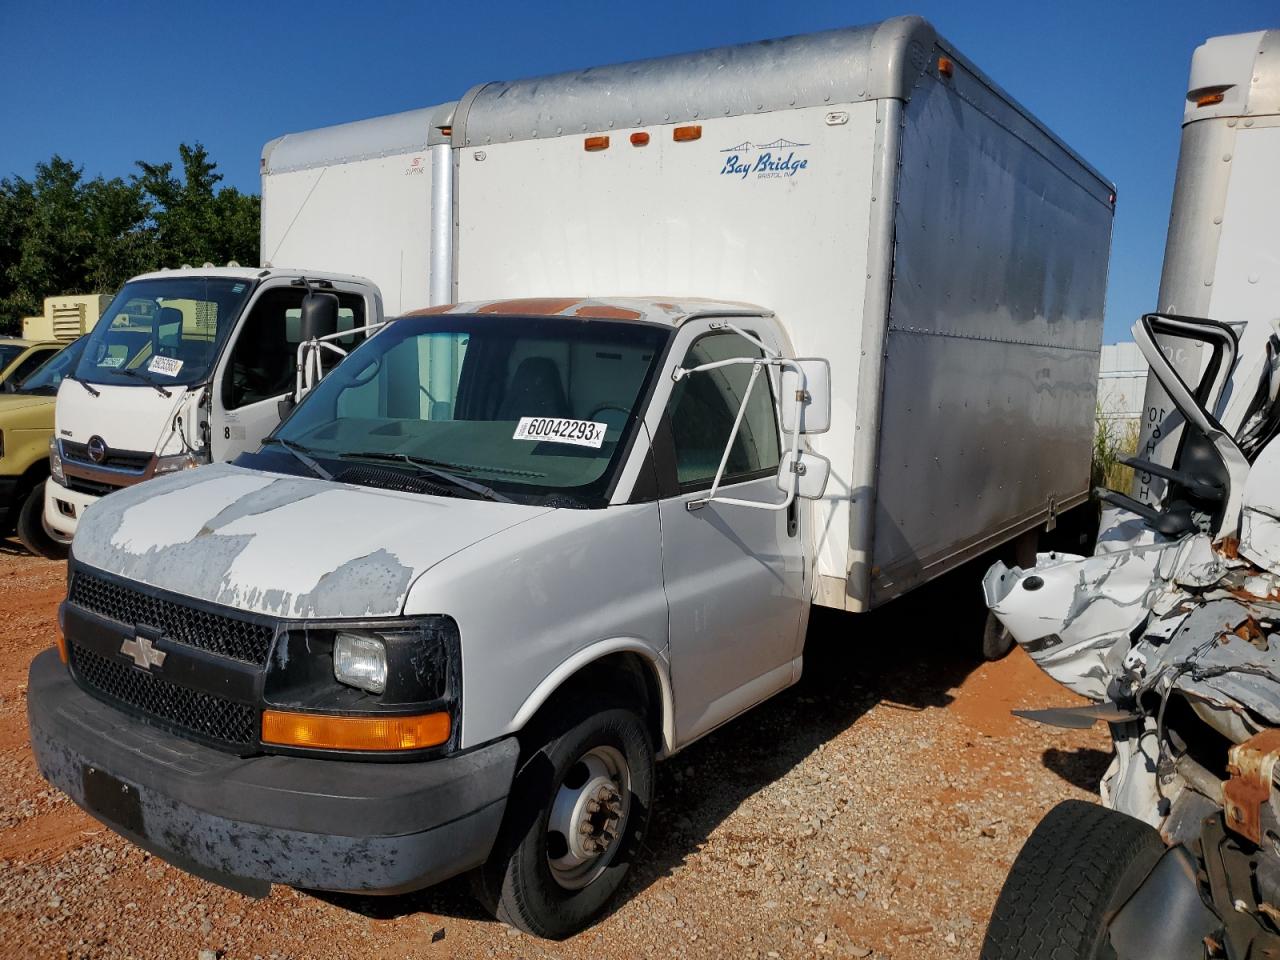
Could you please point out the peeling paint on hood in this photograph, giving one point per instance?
(282, 545)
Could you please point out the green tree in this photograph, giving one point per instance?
(194, 222)
(61, 233)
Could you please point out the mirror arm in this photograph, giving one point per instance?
(792, 452)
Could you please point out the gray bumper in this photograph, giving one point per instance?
(246, 823)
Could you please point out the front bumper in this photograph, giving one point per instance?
(63, 509)
(246, 823)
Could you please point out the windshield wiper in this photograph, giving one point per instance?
(302, 454)
(88, 386)
(129, 372)
(423, 465)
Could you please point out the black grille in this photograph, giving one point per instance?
(188, 710)
(91, 487)
(119, 459)
(241, 640)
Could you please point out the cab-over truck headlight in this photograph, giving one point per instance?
(55, 461)
(181, 461)
(385, 687)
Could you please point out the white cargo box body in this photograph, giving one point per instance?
(1222, 253)
(370, 198)
(937, 244)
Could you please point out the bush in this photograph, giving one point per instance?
(1112, 439)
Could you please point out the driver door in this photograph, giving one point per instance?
(735, 577)
(259, 366)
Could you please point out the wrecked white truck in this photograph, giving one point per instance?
(1172, 627)
(508, 553)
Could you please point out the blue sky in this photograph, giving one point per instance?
(105, 84)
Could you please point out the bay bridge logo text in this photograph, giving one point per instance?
(777, 159)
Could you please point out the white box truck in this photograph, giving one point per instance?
(361, 211)
(525, 545)
(1172, 627)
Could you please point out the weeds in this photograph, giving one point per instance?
(1113, 439)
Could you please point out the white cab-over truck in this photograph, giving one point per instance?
(514, 549)
(1172, 627)
(190, 366)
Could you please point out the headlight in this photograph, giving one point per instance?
(360, 660)
(364, 688)
(55, 462)
(182, 461)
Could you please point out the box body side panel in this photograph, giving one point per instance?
(367, 217)
(993, 343)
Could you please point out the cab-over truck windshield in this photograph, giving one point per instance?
(538, 409)
(167, 331)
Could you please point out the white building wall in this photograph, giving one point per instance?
(1122, 382)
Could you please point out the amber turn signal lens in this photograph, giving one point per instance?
(324, 732)
(596, 143)
(62, 648)
(684, 134)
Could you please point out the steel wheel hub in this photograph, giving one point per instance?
(588, 817)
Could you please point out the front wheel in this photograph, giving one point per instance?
(575, 820)
(31, 531)
(1078, 867)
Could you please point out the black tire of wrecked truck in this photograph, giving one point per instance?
(516, 885)
(30, 527)
(1078, 867)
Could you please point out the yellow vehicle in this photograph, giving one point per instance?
(26, 425)
(19, 358)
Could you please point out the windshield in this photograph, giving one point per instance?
(44, 380)
(536, 409)
(166, 331)
(10, 352)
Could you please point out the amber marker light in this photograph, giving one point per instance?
(1209, 99)
(640, 139)
(62, 648)
(945, 66)
(685, 134)
(325, 732)
(595, 143)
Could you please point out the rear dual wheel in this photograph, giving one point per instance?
(574, 824)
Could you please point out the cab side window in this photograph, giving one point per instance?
(702, 410)
(263, 360)
(30, 362)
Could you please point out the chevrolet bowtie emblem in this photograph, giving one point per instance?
(143, 652)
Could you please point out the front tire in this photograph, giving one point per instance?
(575, 820)
(997, 641)
(1078, 867)
(31, 531)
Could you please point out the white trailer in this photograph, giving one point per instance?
(901, 214)
(1219, 257)
(527, 544)
(372, 198)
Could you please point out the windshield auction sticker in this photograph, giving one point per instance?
(580, 433)
(167, 366)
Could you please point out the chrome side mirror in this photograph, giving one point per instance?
(811, 474)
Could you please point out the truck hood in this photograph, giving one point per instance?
(282, 545)
(9, 402)
(135, 417)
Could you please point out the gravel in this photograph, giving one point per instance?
(871, 811)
